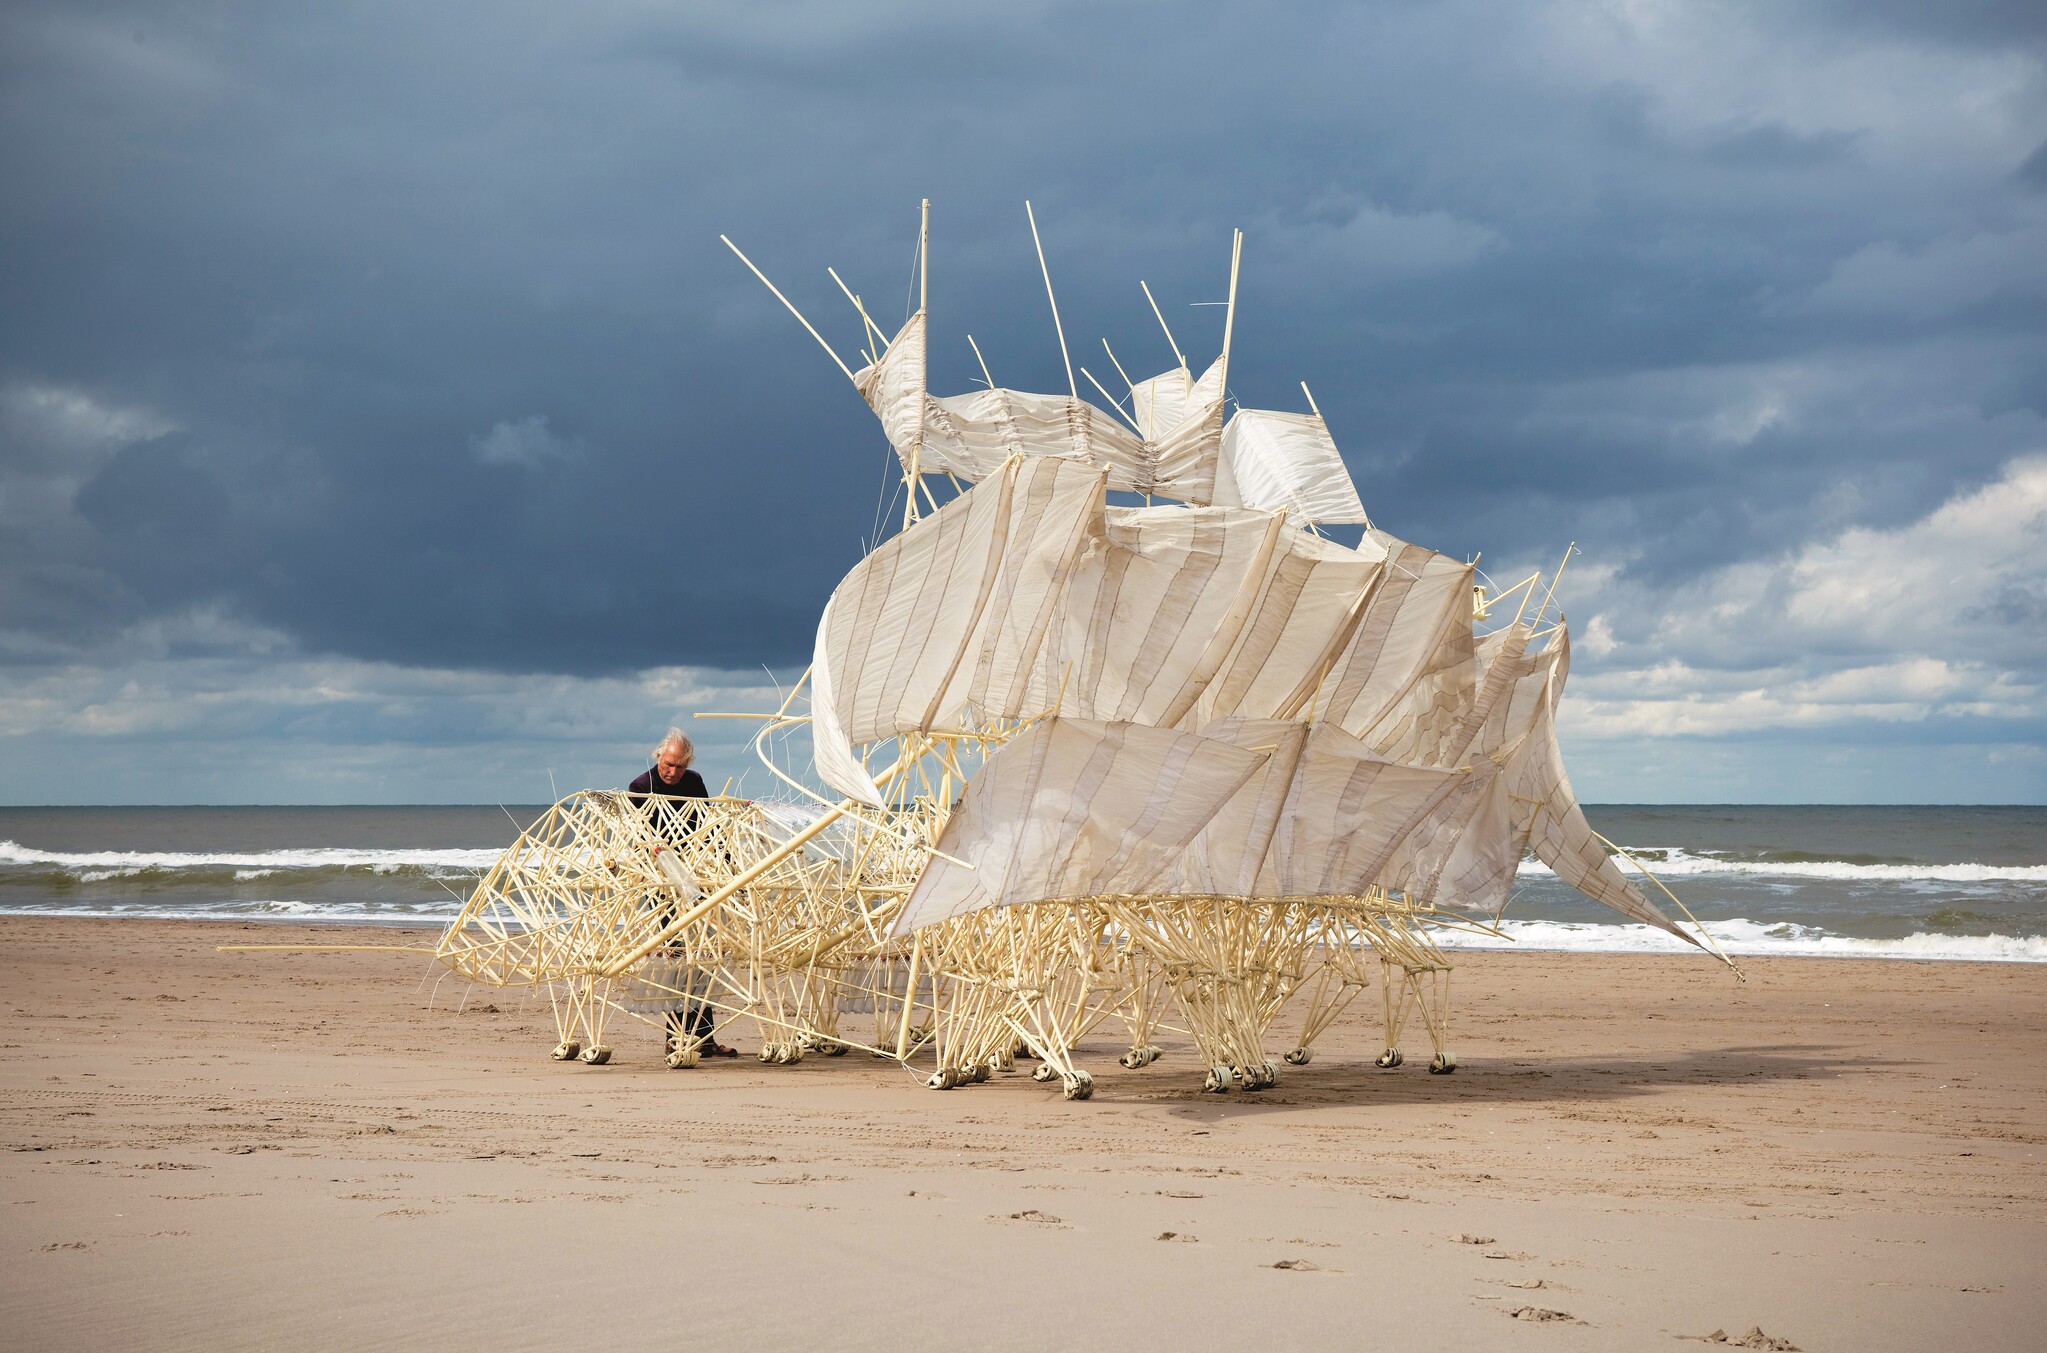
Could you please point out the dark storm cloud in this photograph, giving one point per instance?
(407, 335)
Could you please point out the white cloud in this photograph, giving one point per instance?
(527, 443)
(201, 708)
(1944, 618)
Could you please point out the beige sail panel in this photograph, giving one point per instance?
(1464, 852)
(893, 387)
(1285, 460)
(910, 634)
(1311, 600)
(1548, 818)
(1183, 430)
(971, 435)
(1153, 605)
(1347, 811)
(1076, 808)
(1408, 632)
(1228, 855)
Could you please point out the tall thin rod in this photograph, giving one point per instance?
(792, 309)
(982, 360)
(1059, 328)
(1540, 611)
(924, 256)
(1112, 402)
(865, 319)
(1171, 341)
(1230, 315)
(1313, 407)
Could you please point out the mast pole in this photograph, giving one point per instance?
(1230, 315)
(1171, 341)
(1057, 327)
(913, 473)
(792, 309)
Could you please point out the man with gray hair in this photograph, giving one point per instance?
(670, 777)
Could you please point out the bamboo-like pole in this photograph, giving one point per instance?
(1112, 402)
(870, 328)
(924, 256)
(1230, 315)
(1544, 608)
(1171, 341)
(791, 307)
(982, 360)
(1059, 328)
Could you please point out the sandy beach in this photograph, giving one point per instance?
(267, 1150)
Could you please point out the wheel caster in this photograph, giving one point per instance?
(833, 1048)
(680, 1058)
(945, 1078)
(564, 1051)
(1299, 1057)
(594, 1056)
(1080, 1085)
(1389, 1058)
(978, 1074)
(1442, 1064)
(1044, 1072)
(1217, 1082)
(1139, 1056)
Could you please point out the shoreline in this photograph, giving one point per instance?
(1451, 943)
(247, 1150)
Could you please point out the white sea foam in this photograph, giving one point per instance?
(1673, 862)
(128, 862)
(1752, 938)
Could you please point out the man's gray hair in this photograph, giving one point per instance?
(679, 740)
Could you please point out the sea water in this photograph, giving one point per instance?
(1899, 882)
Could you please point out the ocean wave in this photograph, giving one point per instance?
(92, 866)
(1674, 862)
(1754, 939)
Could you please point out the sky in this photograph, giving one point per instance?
(382, 421)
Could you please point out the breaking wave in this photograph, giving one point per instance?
(1755, 939)
(1676, 862)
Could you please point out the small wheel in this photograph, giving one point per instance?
(1217, 1082)
(1044, 1072)
(1389, 1058)
(1299, 1057)
(1442, 1064)
(945, 1078)
(681, 1058)
(594, 1056)
(832, 1047)
(1080, 1085)
(564, 1051)
(979, 1073)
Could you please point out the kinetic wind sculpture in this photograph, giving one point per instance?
(1189, 759)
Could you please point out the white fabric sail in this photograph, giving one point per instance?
(1311, 598)
(950, 611)
(1153, 606)
(1285, 460)
(969, 436)
(1075, 808)
(1549, 821)
(1409, 631)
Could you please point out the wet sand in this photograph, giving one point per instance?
(263, 1151)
